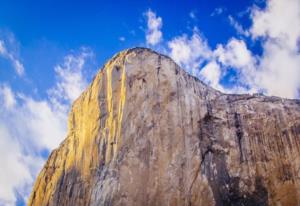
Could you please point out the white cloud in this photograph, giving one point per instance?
(14, 171)
(154, 24)
(189, 52)
(275, 72)
(234, 53)
(45, 124)
(279, 21)
(279, 71)
(70, 77)
(211, 73)
(237, 26)
(29, 126)
(8, 100)
(19, 162)
(278, 26)
(2, 48)
(11, 56)
(18, 66)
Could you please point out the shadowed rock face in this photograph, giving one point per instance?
(147, 133)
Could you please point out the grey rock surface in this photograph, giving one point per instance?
(147, 133)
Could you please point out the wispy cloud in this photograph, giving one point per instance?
(12, 57)
(154, 24)
(192, 15)
(122, 38)
(70, 77)
(8, 98)
(218, 11)
(237, 26)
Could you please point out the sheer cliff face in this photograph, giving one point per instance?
(147, 133)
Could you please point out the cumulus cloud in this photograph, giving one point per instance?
(278, 27)
(12, 57)
(209, 65)
(275, 72)
(189, 52)
(31, 127)
(236, 56)
(279, 21)
(194, 55)
(154, 24)
(234, 53)
(279, 71)
(211, 73)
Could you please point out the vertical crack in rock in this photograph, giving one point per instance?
(121, 105)
(198, 171)
(206, 141)
(113, 124)
(239, 133)
(159, 65)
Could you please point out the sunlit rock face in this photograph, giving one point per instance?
(147, 133)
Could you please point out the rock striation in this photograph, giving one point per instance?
(147, 133)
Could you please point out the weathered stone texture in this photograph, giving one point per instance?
(147, 133)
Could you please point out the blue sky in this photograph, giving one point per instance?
(50, 50)
(47, 31)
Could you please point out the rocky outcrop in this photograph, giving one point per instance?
(147, 133)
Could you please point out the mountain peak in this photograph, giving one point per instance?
(147, 133)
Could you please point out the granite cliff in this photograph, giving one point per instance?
(147, 133)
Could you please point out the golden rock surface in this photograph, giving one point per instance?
(147, 133)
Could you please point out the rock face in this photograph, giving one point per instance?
(147, 133)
